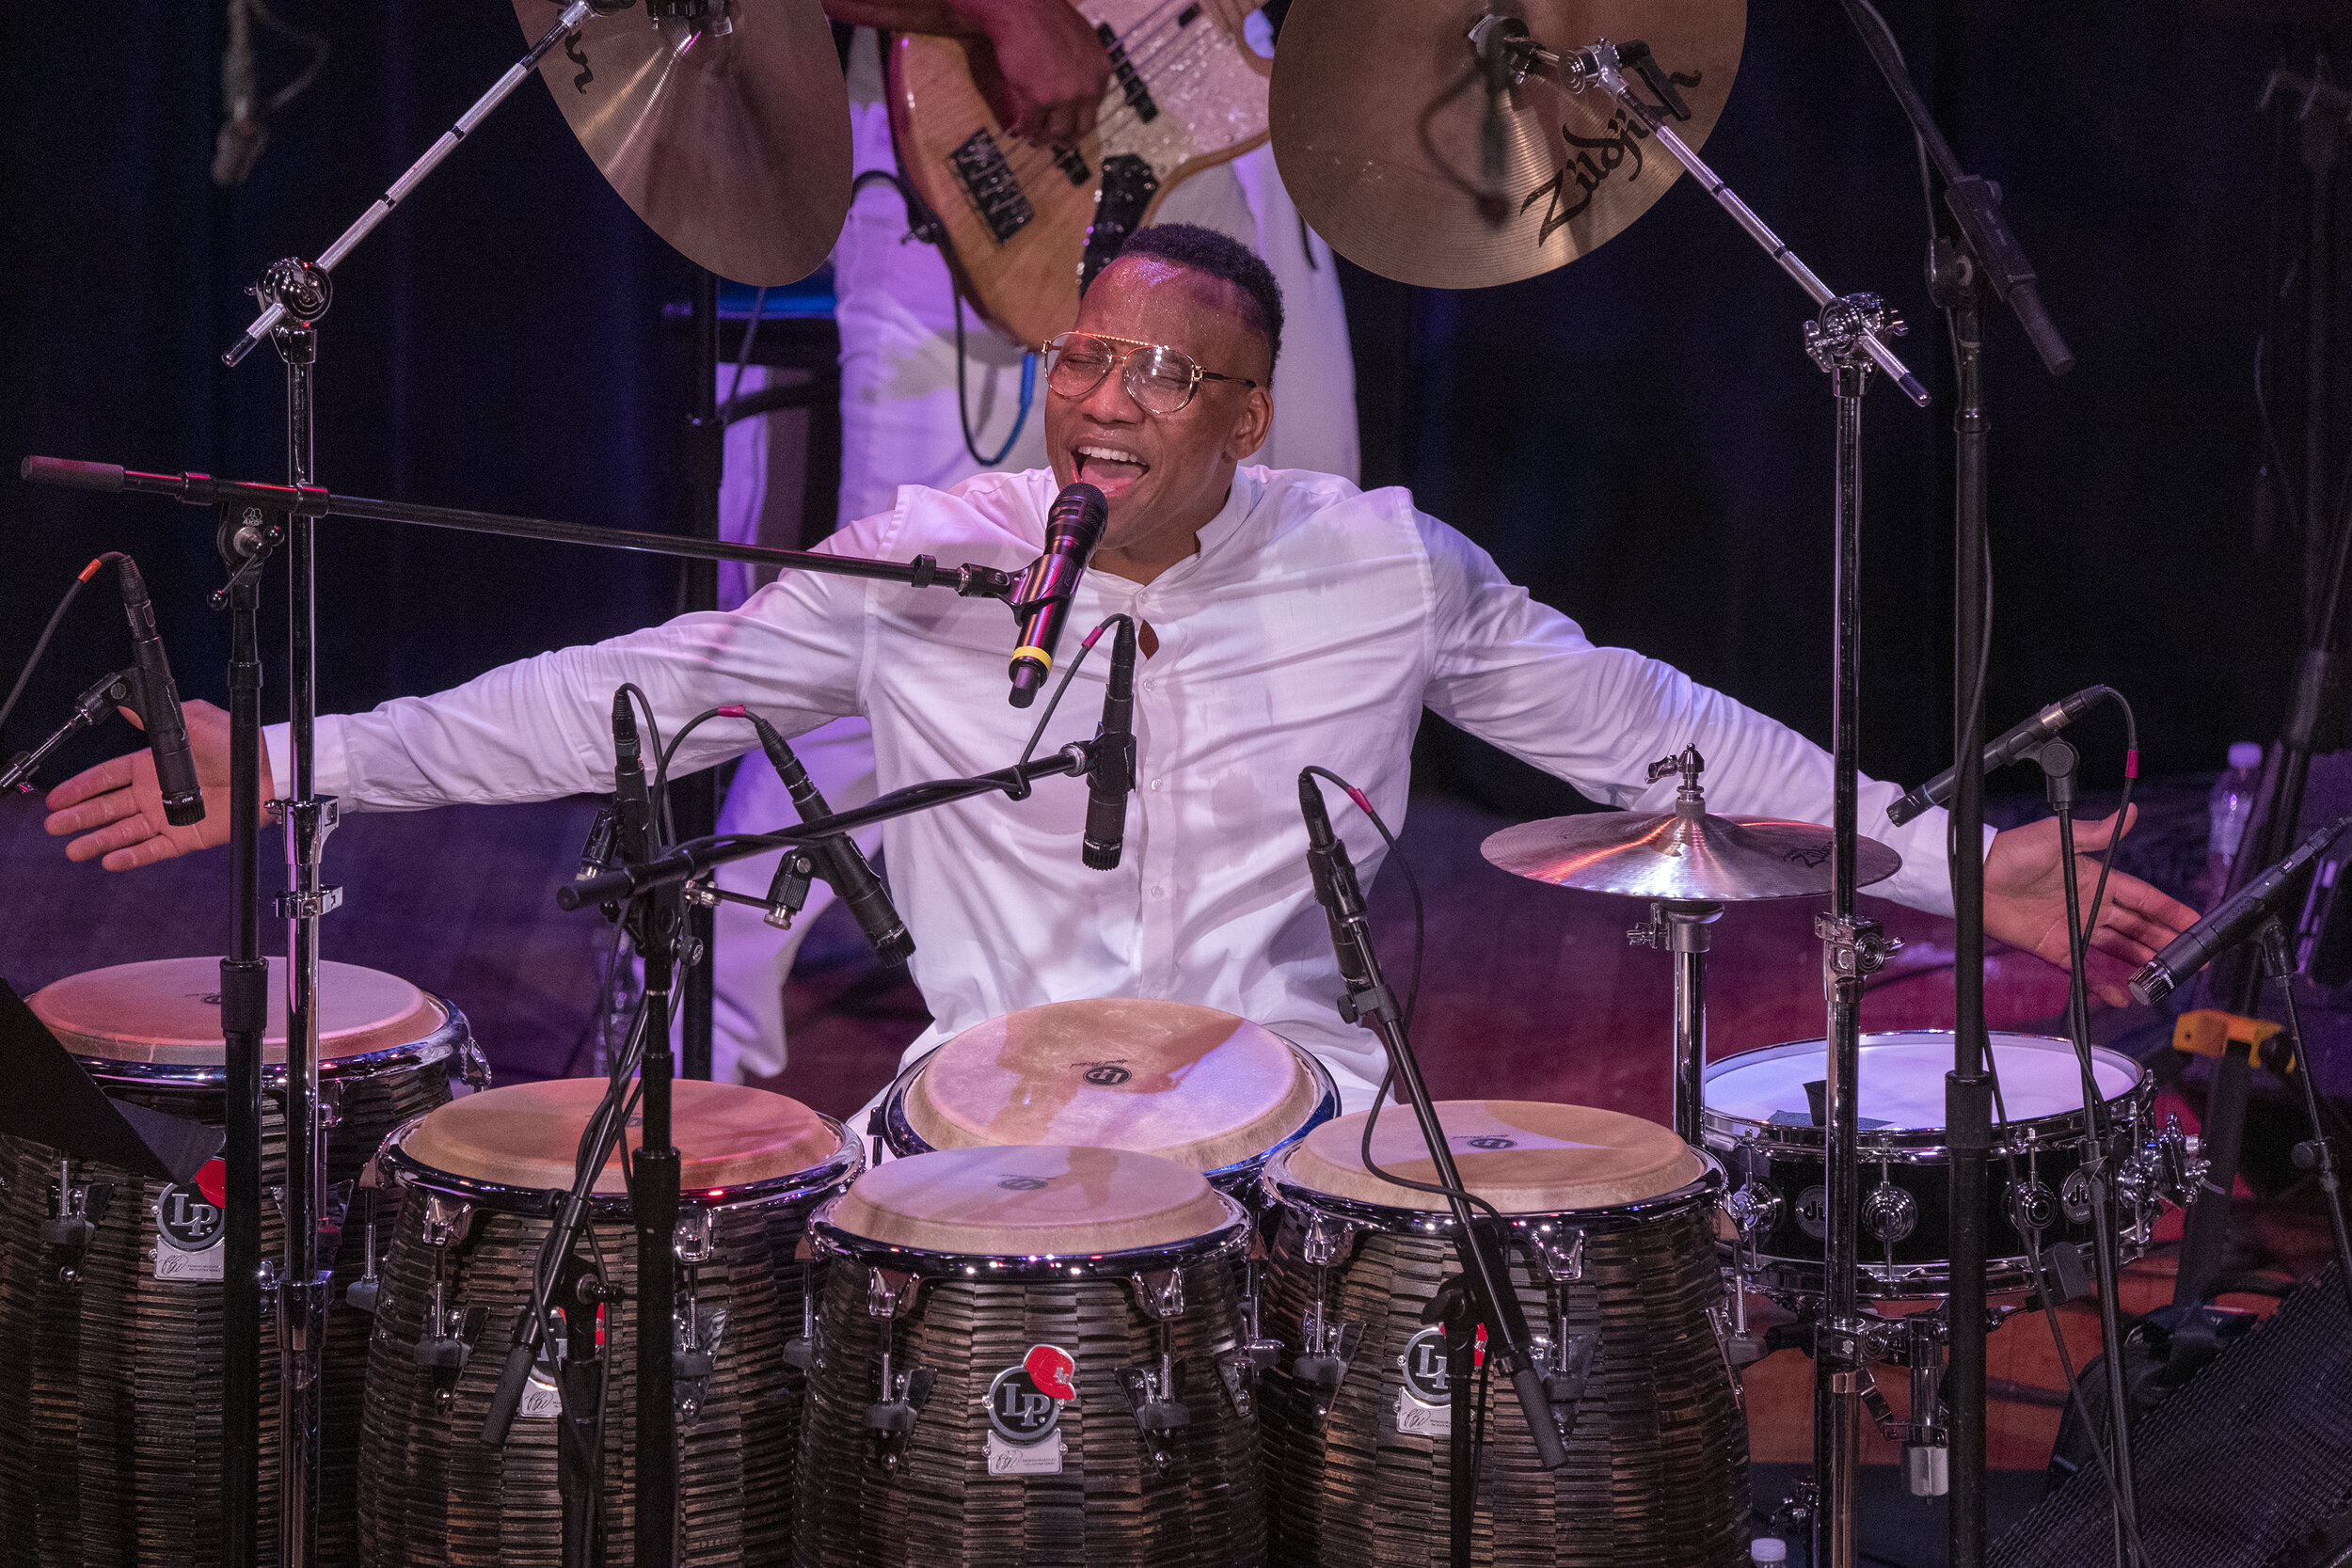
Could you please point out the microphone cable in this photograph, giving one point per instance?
(57, 617)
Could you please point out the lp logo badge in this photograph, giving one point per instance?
(189, 1222)
(1023, 1411)
(1423, 1406)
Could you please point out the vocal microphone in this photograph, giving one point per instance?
(2239, 917)
(1341, 895)
(2006, 747)
(1111, 766)
(159, 706)
(840, 861)
(1072, 528)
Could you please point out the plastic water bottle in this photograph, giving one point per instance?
(1767, 1548)
(2231, 806)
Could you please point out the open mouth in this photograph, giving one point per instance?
(1112, 469)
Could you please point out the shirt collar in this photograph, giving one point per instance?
(1240, 500)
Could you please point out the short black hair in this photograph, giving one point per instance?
(1220, 255)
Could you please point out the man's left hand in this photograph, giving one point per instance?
(2024, 903)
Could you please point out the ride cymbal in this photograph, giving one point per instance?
(1380, 121)
(730, 138)
(1686, 855)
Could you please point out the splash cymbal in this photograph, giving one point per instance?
(731, 141)
(1380, 120)
(1687, 855)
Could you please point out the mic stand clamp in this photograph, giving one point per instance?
(90, 710)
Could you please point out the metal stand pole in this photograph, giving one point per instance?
(653, 1203)
(1968, 1088)
(245, 1020)
(2314, 1155)
(1852, 949)
(695, 798)
(303, 294)
(1688, 926)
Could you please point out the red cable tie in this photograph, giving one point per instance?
(1092, 636)
(2131, 763)
(733, 710)
(1358, 796)
(91, 570)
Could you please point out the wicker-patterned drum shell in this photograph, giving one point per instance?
(483, 1179)
(1212, 1092)
(1030, 1355)
(110, 1392)
(1612, 1222)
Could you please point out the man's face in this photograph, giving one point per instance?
(1165, 475)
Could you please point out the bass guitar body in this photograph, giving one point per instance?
(1026, 226)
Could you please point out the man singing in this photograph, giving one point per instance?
(1286, 618)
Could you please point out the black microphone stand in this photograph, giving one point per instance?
(1975, 256)
(2313, 1156)
(1493, 1299)
(2057, 759)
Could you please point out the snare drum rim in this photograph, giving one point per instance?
(453, 1037)
(829, 1238)
(903, 1141)
(1704, 1191)
(1725, 1133)
(820, 1180)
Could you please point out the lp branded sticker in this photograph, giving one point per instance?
(1422, 1404)
(190, 1222)
(1025, 1401)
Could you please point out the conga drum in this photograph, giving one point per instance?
(110, 1393)
(483, 1178)
(1612, 1250)
(1213, 1092)
(1029, 1355)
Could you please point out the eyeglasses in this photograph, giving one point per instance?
(1161, 380)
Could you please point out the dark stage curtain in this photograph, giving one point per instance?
(1638, 436)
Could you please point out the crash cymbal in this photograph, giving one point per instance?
(733, 146)
(1379, 110)
(1676, 854)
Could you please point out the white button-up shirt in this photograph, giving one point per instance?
(1312, 625)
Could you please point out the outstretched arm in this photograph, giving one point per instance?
(2024, 903)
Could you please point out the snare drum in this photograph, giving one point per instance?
(1613, 1252)
(110, 1350)
(1213, 1092)
(1759, 1121)
(1030, 1355)
(483, 1178)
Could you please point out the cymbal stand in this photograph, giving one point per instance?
(294, 295)
(1683, 926)
(1847, 341)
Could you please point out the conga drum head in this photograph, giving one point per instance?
(1204, 1088)
(1524, 1157)
(166, 1013)
(1045, 1203)
(732, 1140)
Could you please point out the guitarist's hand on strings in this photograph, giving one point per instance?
(1048, 73)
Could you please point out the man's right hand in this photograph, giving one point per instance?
(118, 809)
(1051, 69)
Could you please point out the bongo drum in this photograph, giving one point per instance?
(1612, 1250)
(110, 1390)
(483, 1178)
(1212, 1092)
(1029, 1355)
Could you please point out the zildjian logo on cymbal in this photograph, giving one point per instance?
(1596, 159)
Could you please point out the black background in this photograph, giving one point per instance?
(1638, 437)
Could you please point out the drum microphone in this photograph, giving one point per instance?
(1337, 891)
(1072, 528)
(159, 706)
(840, 861)
(2006, 747)
(632, 807)
(1111, 766)
(2238, 917)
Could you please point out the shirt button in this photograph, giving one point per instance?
(1159, 893)
(1155, 783)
